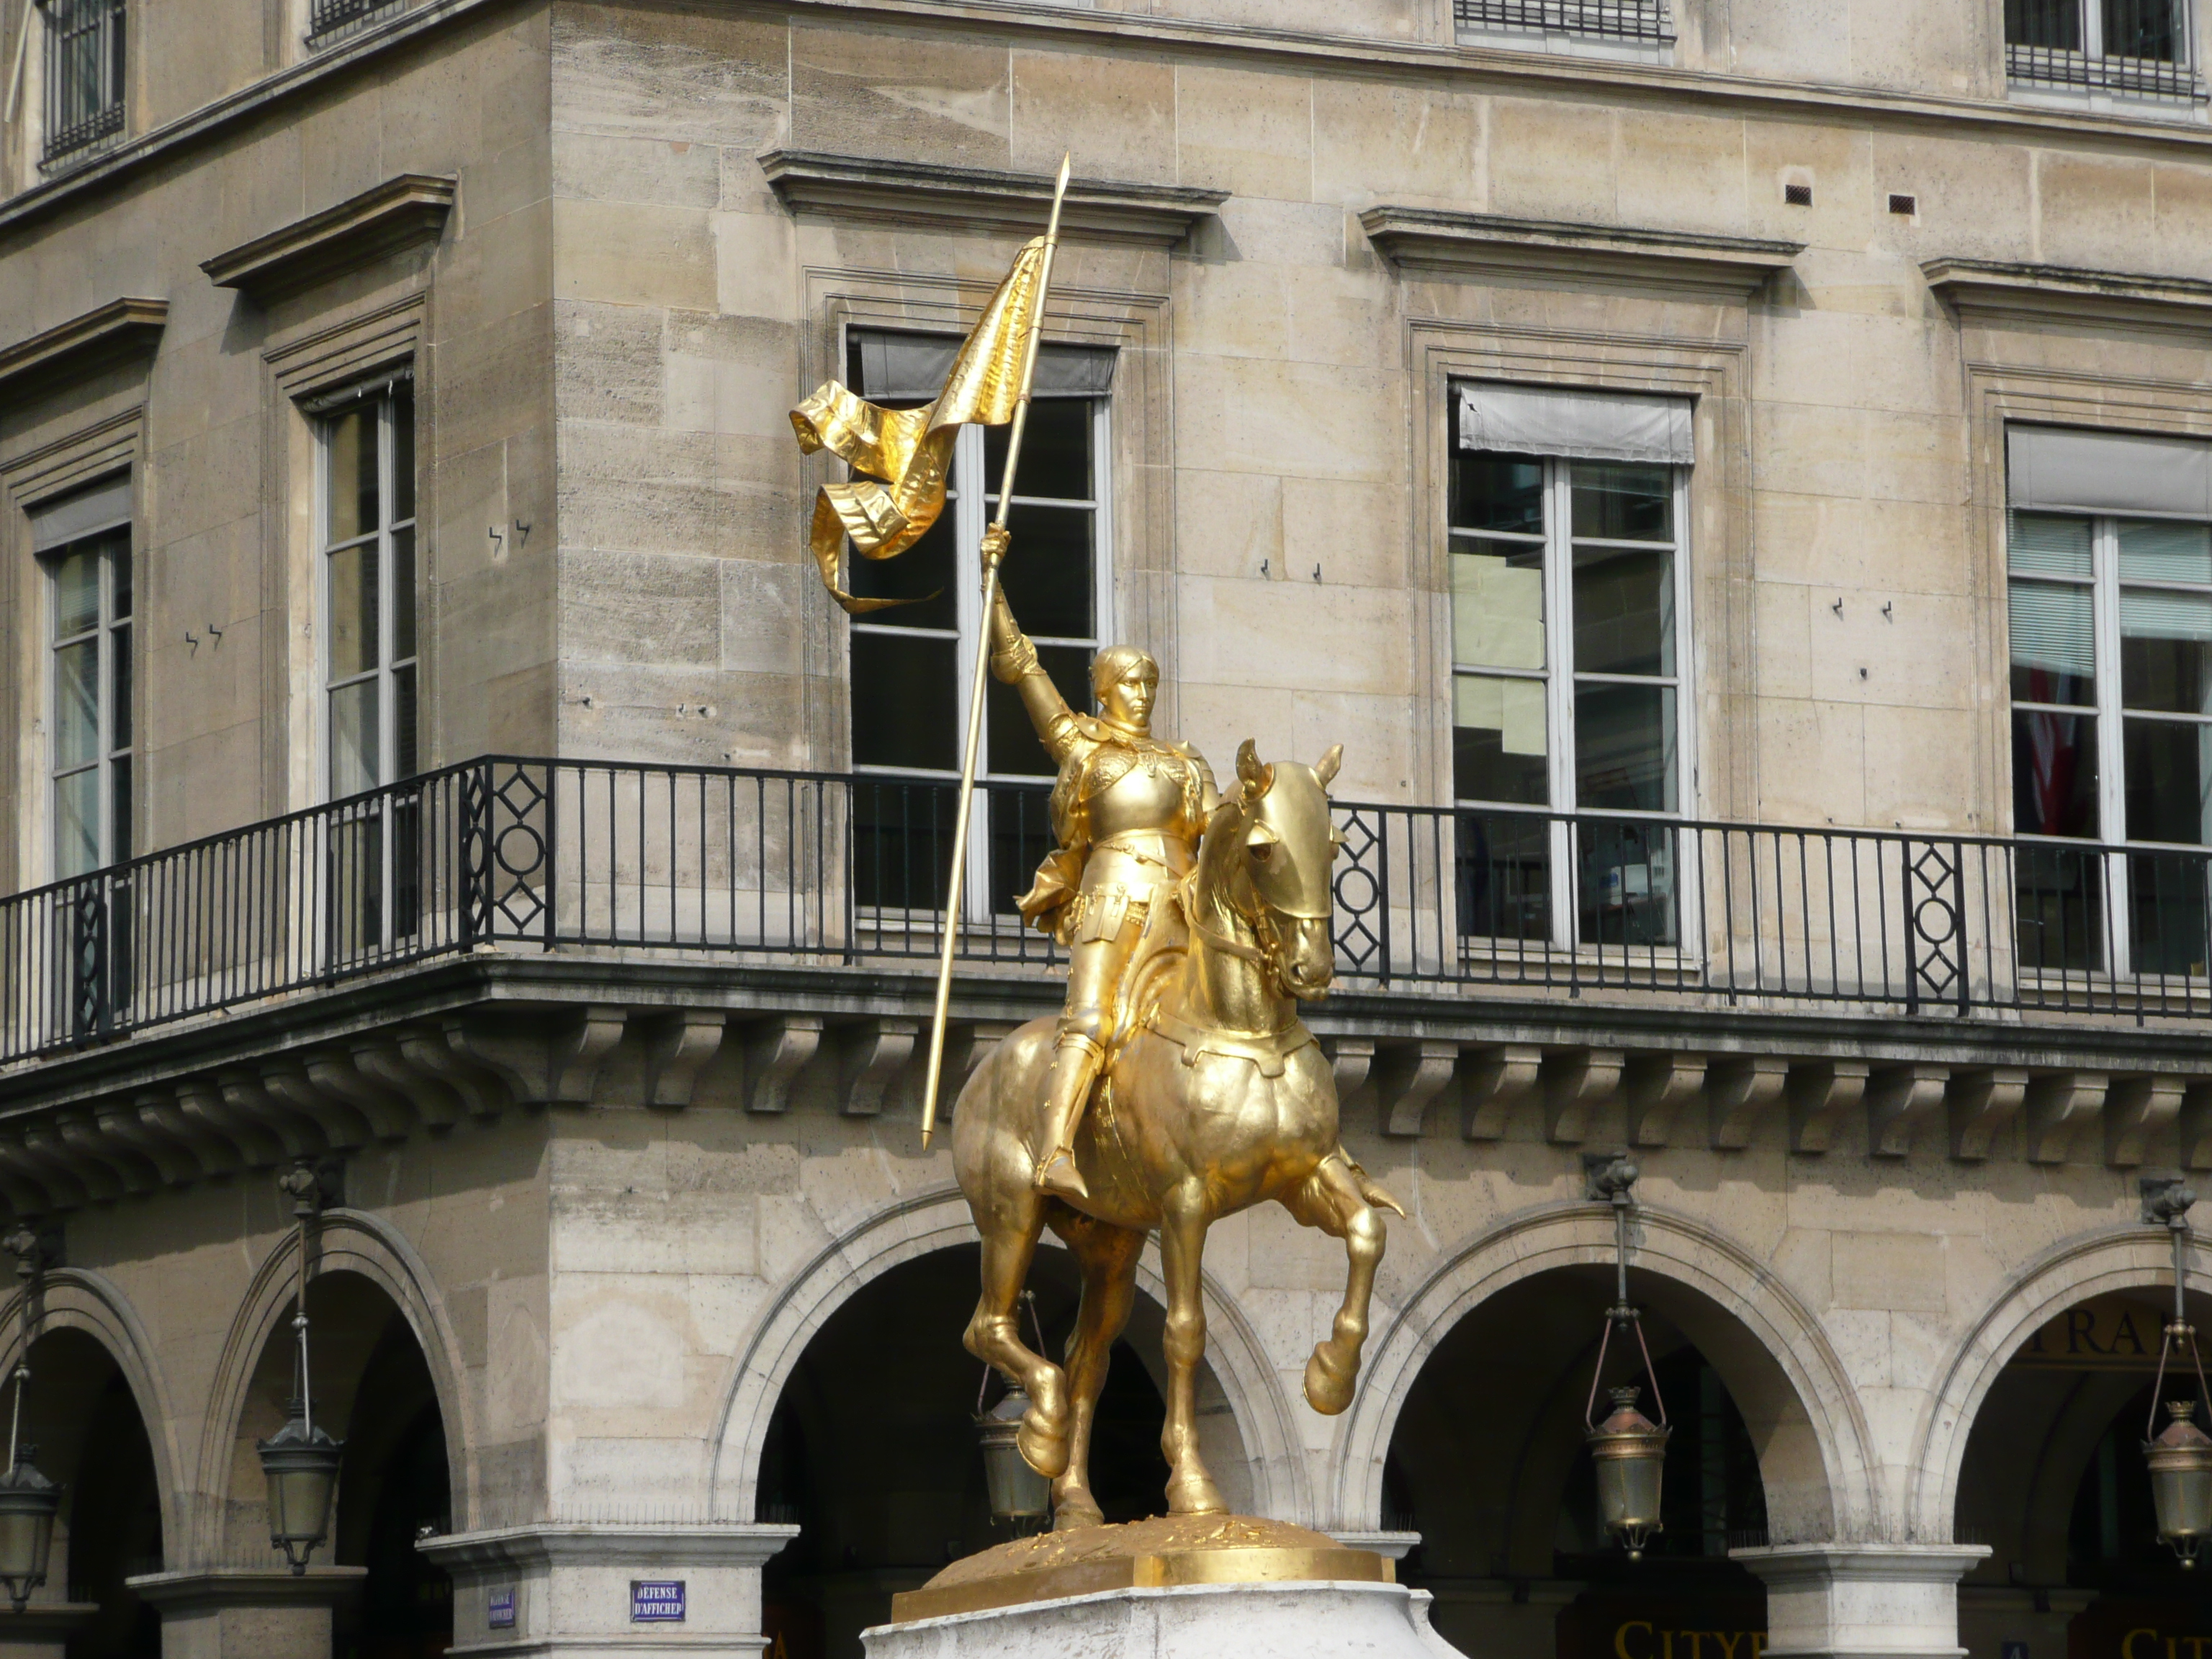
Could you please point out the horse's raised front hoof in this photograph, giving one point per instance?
(1042, 1444)
(1076, 1510)
(1330, 1380)
(1195, 1494)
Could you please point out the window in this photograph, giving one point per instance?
(1642, 20)
(83, 73)
(330, 19)
(368, 589)
(911, 665)
(1568, 595)
(2137, 47)
(2109, 545)
(84, 545)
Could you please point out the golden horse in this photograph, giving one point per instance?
(1215, 1098)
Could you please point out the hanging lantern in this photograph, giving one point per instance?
(1019, 1495)
(28, 1502)
(1628, 1451)
(2180, 1457)
(301, 1463)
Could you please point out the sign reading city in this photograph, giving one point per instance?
(499, 1607)
(656, 1600)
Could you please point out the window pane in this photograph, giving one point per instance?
(77, 823)
(402, 724)
(1498, 740)
(1503, 866)
(2054, 644)
(1624, 503)
(403, 595)
(2139, 28)
(76, 704)
(76, 591)
(1055, 450)
(356, 762)
(119, 834)
(2060, 908)
(2166, 893)
(1625, 883)
(1497, 492)
(402, 452)
(1014, 747)
(352, 458)
(905, 712)
(2054, 774)
(1624, 611)
(118, 564)
(2153, 551)
(2166, 651)
(1497, 604)
(353, 611)
(1048, 571)
(923, 573)
(1625, 748)
(2169, 767)
(2044, 23)
(118, 687)
(2041, 544)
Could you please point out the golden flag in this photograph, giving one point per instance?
(910, 449)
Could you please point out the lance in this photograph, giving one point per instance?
(956, 879)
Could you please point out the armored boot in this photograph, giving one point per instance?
(1074, 1070)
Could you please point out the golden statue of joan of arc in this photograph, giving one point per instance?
(1127, 810)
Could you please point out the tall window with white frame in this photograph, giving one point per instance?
(84, 545)
(366, 521)
(1569, 592)
(911, 664)
(2133, 47)
(83, 70)
(2109, 546)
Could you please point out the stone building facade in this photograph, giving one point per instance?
(1735, 476)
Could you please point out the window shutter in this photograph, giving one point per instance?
(1594, 426)
(2061, 469)
(103, 506)
(887, 366)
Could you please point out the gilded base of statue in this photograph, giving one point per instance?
(1178, 1586)
(1166, 1550)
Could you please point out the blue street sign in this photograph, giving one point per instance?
(655, 1601)
(499, 1607)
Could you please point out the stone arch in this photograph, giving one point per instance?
(938, 1220)
(346, 1242)
(1816, 1450)
(78, 1299)
(2112, 1259)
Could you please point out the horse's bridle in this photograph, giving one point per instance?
(1268, 954)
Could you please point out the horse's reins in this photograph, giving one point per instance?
(1268, 953)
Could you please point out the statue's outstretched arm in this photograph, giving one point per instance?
(1014, 661)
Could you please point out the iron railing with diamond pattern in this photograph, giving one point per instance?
(835, 869)
(1617, 19)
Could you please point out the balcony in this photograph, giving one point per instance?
(811, 870)
(1641, 21)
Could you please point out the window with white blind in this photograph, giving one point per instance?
(1569, 598)
(83, 545)
(2108, 548)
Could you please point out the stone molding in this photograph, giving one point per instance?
(403, 212)
(246, 1587)
(1434, 240)
(934, 196)
(1780, 1566)
(120, 329)
(610, 1544)
(1996, 291)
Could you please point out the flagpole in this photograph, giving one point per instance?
(957, 878)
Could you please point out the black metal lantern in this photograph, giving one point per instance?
(28, 1502)
(1019, 1495)
(1628, 1451)
(300, 1464)
(2180, 1457)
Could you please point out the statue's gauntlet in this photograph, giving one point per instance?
(1013, 656)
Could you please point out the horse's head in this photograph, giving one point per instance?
(1288, 846)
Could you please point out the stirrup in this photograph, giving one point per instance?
(1058, 1176)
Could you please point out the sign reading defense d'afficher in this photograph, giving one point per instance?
(656, 1600)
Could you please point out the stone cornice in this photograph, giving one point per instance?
(607, 1544)
(117, 329)
(400, 213)
(1430, 240)
(1994, 291)
(874, 191)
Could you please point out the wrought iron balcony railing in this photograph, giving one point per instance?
(1613, 20)
(2131, 77)
(836, 870)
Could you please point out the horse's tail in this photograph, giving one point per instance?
(1369, 1188)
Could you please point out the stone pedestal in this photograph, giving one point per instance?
(247, 1612)
(1190, 1621)
(1863, 1600)
(43, 1629)
(559, 1589)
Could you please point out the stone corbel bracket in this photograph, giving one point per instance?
(918, 193)
(402, 212)
(118, 330)
(1434, 241)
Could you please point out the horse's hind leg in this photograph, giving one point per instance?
(1107, 1256)
(994, 1335)
(1330, 1199)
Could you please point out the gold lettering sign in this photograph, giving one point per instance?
(2106, 1332)
(1644, 1638)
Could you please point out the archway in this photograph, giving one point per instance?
(1487, 1461)
(2052, 1479)
(372, 1390)
(871, 1451)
